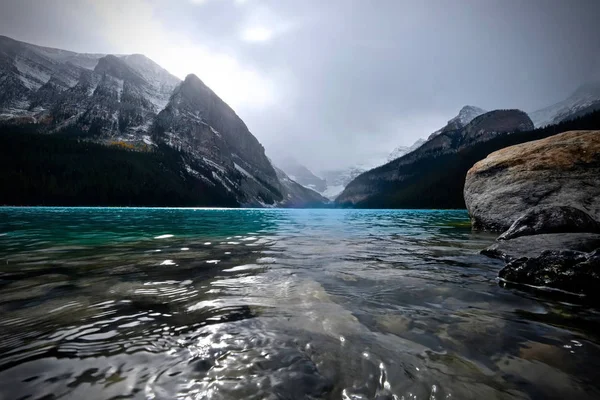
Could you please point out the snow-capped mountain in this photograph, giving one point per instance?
(584, 100)
(300, 173)
(129, 99)
(415, 178)
(402, 150)
(338, 179)
(465, 115)
(298, 195)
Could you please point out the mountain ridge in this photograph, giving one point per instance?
(132, 101)
(585, 98)
(373, 187)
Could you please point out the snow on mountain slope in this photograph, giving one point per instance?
(402, 150)
(132, 102)
(338, 179)
(297, 195)
(299, 173)
(584, 97)
(465, 115)
(162, 83)
(31, 75)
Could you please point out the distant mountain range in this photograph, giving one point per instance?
(379, 187)
(128, 101)
(333, 182)
(433, 176)
(583, 101)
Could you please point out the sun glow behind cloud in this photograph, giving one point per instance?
(132, 27)
(257, 34)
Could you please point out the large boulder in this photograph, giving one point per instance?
(561, 170)
(567, 270)
(551, 219)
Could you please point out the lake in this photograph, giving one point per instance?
(115, 303)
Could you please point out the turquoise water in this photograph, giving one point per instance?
(268, 304)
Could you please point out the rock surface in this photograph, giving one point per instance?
(567, 270)
(561, 170)
(551, 219)
(532, 246)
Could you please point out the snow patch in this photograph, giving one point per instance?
(333, 191)
(30, 74)
(244, 172)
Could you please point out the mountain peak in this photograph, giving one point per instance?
(469, 109)
(468, 113)
(465, 115)
(116, 67)
(192, 79)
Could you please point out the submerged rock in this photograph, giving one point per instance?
(551, 219)
(567, 270)
(533, 246)
(560, 170)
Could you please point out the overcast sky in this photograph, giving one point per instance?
(338, 82)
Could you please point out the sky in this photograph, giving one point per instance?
(337, 83)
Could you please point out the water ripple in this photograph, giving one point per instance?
(290, 304)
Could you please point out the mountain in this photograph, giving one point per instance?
(339, 178)
(402, 150)
(584, 100)
(417, 179)
(129, 101)
(465, 115)
(297, 195)
(301, 174)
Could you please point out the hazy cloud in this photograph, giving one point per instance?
(340, 81)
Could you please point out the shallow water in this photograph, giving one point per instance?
(291, 304)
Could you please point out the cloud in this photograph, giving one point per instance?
(134, 27)
(257, 34)
(334, 83)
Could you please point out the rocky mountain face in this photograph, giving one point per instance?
(584, 100)
(130, 100)
(415, 180)
(465, 115)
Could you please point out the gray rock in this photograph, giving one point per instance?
(561, 170)
(551, 219)
(566, 270)
(533, 246)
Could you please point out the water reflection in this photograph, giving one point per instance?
(294, 304)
